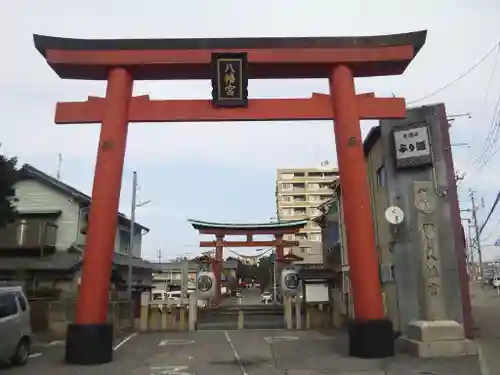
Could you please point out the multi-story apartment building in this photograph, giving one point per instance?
(299, 192)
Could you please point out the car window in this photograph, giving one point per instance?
(8, 305)
(22, 301)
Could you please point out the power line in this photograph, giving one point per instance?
(459, 77)
(492, 209)
(492, 75)
(491, 137)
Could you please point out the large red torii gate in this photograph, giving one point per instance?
(120, 62)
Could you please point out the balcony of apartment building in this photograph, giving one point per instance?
(298, 176)
(292, 187)
(293, 213)
(28, 236)
(304, 236)
(324, 188)
(322, 175)
(318, 199)
(293, 200)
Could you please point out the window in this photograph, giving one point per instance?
(331, 174)
(381, 177)
(300, 211)
(314, 198)
(316, 237)
(299, 198)
(315, 211)
(334, 207)
(315, 174)
(313, 186)
(8, 305)
(304, 249)
(22, 301)
(22, 229)
(299, 174)
(313, 224)
(286, 198)
(124, 239)
(287, 186)
(287, 212)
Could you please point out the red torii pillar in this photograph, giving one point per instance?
(356, 201)
(90, 339)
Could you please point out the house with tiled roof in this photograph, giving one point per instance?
(43, 248)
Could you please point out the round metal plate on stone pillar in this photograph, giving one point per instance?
(394, 215)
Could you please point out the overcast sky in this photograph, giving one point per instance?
(227, 171)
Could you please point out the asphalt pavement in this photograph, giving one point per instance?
(245, 352)
(251, 296)
(486, 312)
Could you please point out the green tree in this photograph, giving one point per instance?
(264, 272)
(8, 177)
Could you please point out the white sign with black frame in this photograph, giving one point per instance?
(317, 293)
(412, 146)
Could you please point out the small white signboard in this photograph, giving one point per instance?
(412, 146)
(412, 142)
(317, 293)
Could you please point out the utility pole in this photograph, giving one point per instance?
(132, 234)
(59, 165)
(185, 278)
(159, 256)
(275, 282)
(478, 243)
(471, 241)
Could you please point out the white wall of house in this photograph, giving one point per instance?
(121, 241)
(34, 196)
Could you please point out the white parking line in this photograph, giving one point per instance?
(124, 341)
(483, 365)
(34, 355)
(236, 355)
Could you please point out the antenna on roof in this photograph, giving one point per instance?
(59, 163)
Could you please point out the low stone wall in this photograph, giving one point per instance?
(167, 318)
(54, 316)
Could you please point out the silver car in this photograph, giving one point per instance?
(15, 326)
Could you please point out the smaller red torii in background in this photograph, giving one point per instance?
(221, 230)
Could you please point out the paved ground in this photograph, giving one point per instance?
(486, 311)
(251, 296)
(251, 352)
